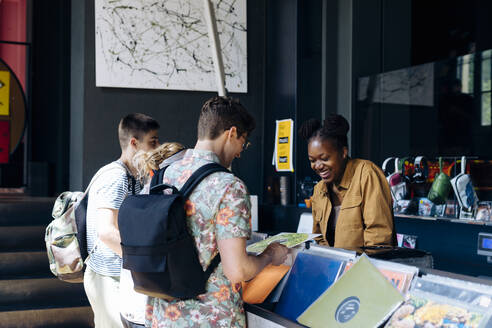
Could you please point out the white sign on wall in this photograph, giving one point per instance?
(163, 44)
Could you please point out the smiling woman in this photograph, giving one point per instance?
(352, 203)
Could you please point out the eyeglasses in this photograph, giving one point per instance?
(246, 145)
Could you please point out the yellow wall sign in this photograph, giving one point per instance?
(4, 93)
(283, 152)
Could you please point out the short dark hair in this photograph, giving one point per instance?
(335, 128)
(135, 125)
(219, 114)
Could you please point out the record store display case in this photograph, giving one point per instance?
(449, 230)
(327, 287)
(465, 200)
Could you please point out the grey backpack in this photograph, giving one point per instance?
(66, 235)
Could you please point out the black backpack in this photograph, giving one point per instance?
(157, 246)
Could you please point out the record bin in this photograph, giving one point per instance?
(266, 315)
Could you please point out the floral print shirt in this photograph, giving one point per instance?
(218, 208)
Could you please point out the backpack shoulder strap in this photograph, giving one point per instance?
(131, 179)
(157, 177)
(199, 175)
(100, 172)
(186, 190)
(211, 267)
(156, 185)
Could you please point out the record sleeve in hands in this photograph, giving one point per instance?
(288, 239)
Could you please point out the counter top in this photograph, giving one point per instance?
(430, 218)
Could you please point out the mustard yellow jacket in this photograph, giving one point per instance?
(365, 217)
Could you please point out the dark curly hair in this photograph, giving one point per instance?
(335, 128)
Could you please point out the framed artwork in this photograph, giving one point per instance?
(163, 44)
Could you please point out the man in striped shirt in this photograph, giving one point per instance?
(101, 279)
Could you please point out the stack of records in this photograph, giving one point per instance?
(400, 275)
(310, 276)
(442, 302)
(362, 297)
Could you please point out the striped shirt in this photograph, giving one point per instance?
(108, 191)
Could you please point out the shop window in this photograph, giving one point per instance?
(465, 73)
(485, 92)
(441, 108)
(464, 70)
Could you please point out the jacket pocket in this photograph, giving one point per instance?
(351, 201)
(350, 217)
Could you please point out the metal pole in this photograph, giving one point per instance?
(324, 42)
(213, 37)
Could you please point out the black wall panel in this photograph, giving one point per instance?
(177, 111)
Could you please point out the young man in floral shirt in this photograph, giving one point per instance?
(218, 216)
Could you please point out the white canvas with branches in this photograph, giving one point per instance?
(163, 44)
